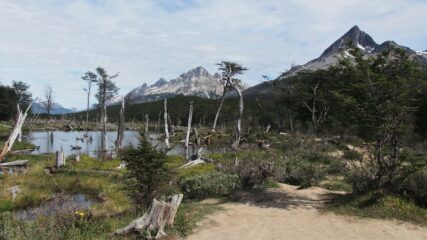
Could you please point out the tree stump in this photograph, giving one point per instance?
(159, 215)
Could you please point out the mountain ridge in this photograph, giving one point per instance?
(195, 82)
(337, 50)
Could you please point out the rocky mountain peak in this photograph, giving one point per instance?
(357, 37)
(196, 82)
(159, 83)
(196, 72)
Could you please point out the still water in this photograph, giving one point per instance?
(90, 142)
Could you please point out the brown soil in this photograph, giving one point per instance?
(288, 213)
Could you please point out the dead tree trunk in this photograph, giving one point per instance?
(221, 102)
(159, 121)
(239, 119)
(318, 116)
(146, 123)
(190, 119)
(16, 131)
(166, 123)
(159, 215)
(60, 158)
(120, 126)
(249, 124)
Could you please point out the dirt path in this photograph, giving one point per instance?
(287, 213)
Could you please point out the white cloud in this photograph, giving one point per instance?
(51, 42)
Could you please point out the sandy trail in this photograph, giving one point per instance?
(288, 213)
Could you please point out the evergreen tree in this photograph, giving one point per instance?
(148, 174)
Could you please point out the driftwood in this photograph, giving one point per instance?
(13, 167)
(15, 133)
(166, 124)
(196, 159)
(159, 215)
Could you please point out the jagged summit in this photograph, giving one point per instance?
(338, 50)
(196, 82)
(356, 36)
(159, 83)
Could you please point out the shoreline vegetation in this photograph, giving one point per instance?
(322, 164)
(350, 132)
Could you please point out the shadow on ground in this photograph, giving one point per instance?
(284, 197)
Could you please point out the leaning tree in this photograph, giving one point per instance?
(228, 72)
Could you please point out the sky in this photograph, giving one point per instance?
(54, 42)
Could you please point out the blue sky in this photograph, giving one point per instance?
(53, 42)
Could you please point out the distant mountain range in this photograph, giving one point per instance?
(337, 50)
(39, 107)
(195, 82)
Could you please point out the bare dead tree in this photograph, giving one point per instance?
(318, 114)
(159, 121)
(106, 90)
(121, 125)
(48, 101)
(165, 115)
(190, 119)
(146, 123)
(90, 78)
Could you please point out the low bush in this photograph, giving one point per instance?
(307, 168)
(415, 187)
(212, 184)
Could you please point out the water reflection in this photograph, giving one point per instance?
(93, 143)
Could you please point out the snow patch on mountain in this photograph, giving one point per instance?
(422, 53)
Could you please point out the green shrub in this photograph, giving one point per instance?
(212, 184)
(148, 175)
(415, 187)
(307, 168)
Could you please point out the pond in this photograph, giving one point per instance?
(60, 204)
(90, 142)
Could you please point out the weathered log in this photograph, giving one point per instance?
(13, 167)
(16, 131)
(193, 163)
(159, 215)
(15, 163)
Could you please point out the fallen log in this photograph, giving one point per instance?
(14, 167)
(159, 215)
